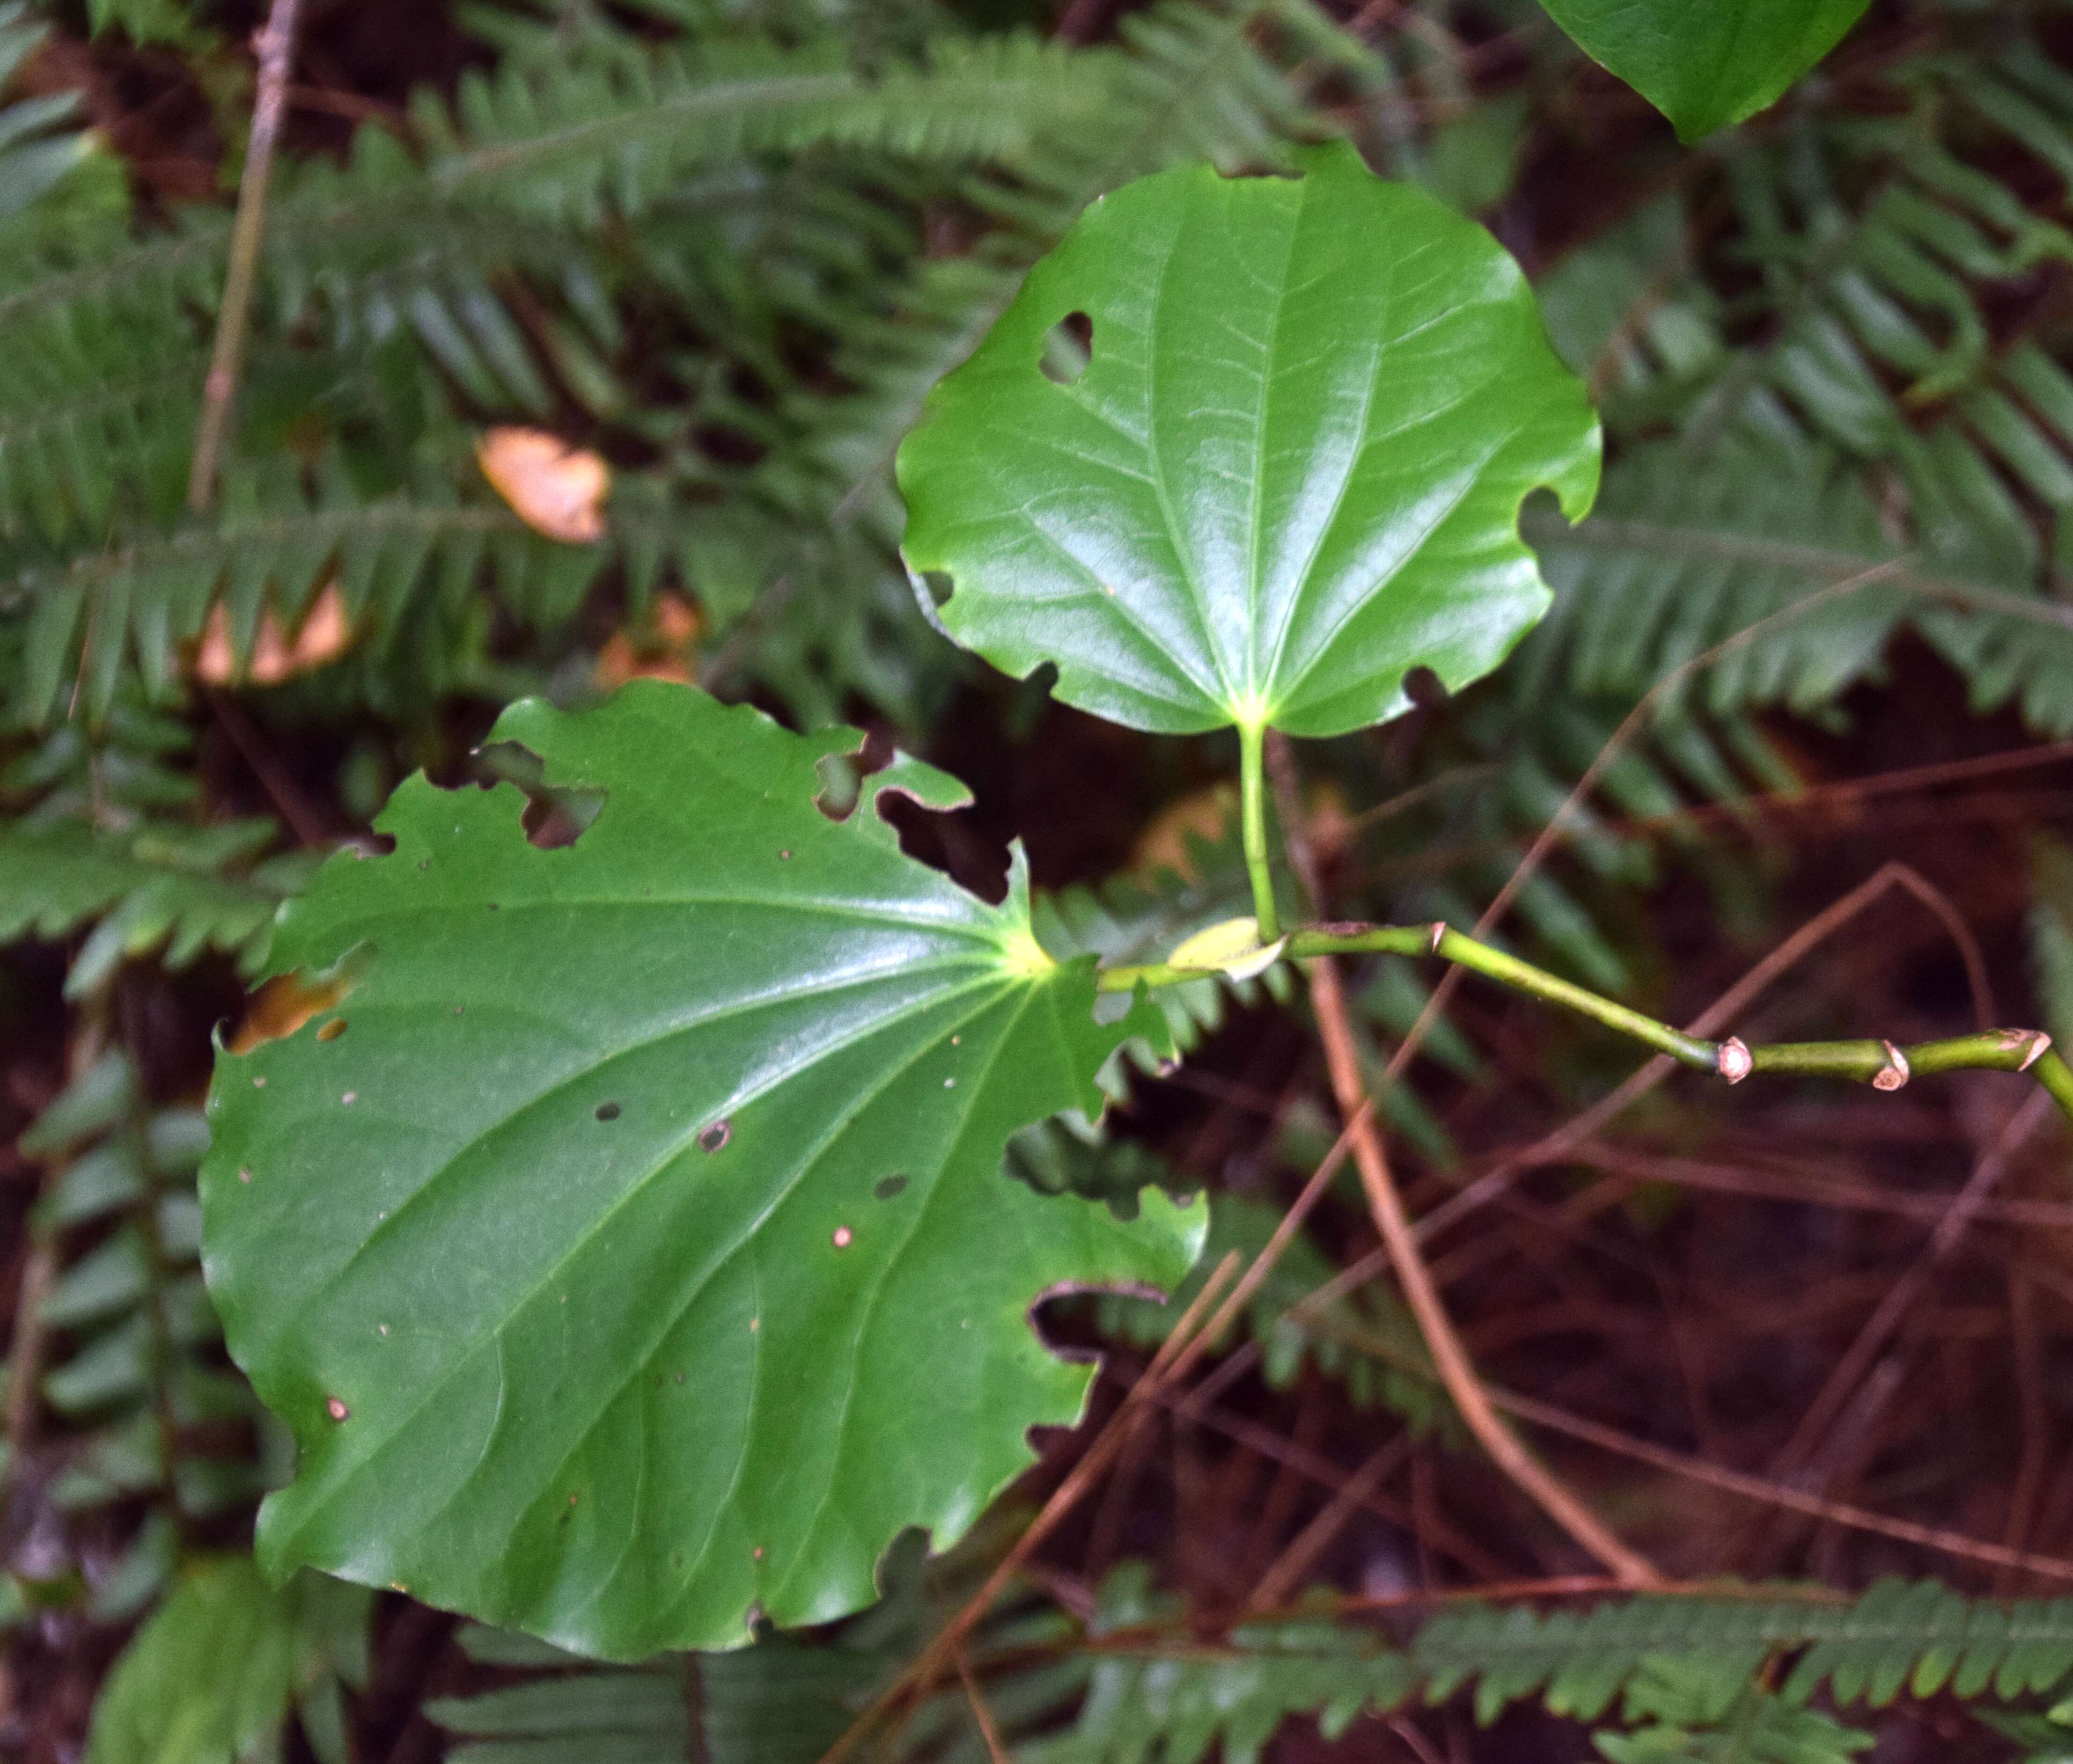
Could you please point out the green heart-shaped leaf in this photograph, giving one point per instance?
(631, 1249)
(1706, 64)
(1289, 473)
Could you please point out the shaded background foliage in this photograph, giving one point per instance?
(728, 247)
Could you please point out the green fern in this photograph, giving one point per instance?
(139, 1377)
(103, 845)
(36, 151)
(1174, 1703)
(494, 269)
(1878, 427)
(1689, 1711)
(1919, 1636)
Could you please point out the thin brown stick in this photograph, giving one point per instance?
(295, 809)
(1414, 1742)
(1292, 1222)
(980, 1714)
(1616, 744)
(276, 45)
(1325, 1474)
(1717, 1015)
(1628, 1167)
(1449, 1358)
(919, 1678)
(1755, 1488)
(1308, 1544)
(1457, 1371)
(1794, 1458)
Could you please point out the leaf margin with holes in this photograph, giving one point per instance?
(332, 1311)
(1096, 565)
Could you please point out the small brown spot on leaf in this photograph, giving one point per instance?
(282, 1006)
(459, 1008)
(608, 1112)
(258, 1083)
(350, 1097)
(383, 1327)
(757, 1553)
(755, 1323)
(714, 1136)
(333, 1030)
(889, 1187)
(244, 1175)
(680, 1378)
(572, 1500)
(335, 1409)
(784, 854)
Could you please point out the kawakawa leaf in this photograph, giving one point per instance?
(1706, 64)
(1288, 473)
(631, 1250)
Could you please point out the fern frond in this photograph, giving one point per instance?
(141, 1372)
(1917, 1636)
(36, 152)
(1173, 1703)
(272, 547)
(1883, 424)
(142, 898)
(1690, 1712)
(102, 842)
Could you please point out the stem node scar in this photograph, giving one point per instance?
(1734, 1061)
(1894, 1073)
(2034, 1043)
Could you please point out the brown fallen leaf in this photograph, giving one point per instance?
(324, 635)
(665, 650)
(555, 489)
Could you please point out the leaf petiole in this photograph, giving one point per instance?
(1252, 788)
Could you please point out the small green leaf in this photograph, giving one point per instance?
(1288, 473)
(1706, 64)
(639, 1255)
(210, 1678)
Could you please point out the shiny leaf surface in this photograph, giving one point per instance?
(638, 1253)
(1287, 473)
(1706, 64)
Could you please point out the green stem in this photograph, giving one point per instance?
(1883, 1065)
(1252, 785)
